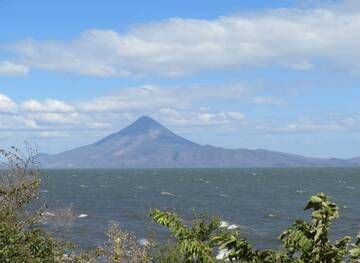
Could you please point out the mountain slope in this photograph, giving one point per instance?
(148, 144)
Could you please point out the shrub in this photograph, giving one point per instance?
(194, 243)
(19, 185)
(303, 242)
(123, 246)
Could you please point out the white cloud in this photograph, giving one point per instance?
(295, 38)
(186, 108)
(50, 118)
(179, 106)
(8, 68)
(49, 105)
(16, 122)
(6, 104)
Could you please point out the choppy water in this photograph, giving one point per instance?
(262, 201)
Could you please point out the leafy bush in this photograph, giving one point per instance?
(20, 240)
(23, 246)
(124, 247)
(19, 185)
(303, 242)
(194, 243)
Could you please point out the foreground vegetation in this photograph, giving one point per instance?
(22, 240)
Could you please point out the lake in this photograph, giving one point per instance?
(263, 202)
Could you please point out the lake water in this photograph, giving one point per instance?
(262, 201)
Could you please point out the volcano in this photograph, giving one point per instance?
(148, 144)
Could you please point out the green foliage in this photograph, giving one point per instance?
(303, 242)
(194, 243)
(240, 250)
(355, 250)
(20, 240)
(309, 241)
(19, 185)
(17, 245)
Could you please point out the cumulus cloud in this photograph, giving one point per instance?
(177, 106)
(295, 38)
(49, 105)
(6, 104)
(50, 118)
(15, 122)
(187, 108)
(8, 68)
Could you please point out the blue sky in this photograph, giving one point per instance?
(280, 75)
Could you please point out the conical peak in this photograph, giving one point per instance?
(143, 125)
(149, 127)
(145, 122)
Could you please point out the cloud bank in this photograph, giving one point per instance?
(189, 108)
(300, 39)
(178, 106)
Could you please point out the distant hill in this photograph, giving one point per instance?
(148, 144)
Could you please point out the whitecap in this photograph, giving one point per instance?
(350, 187)
(44, 191)
(342, 181)
(223, 195)
(203, 180)
(82, 215)
(300, 191)
(47, 213)
(271, 215)
(83, 186)
(223, 224)
(232, 227)
(167, 193)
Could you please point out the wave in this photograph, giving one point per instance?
(167, 193)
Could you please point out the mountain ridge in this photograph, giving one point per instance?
(148, 144)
